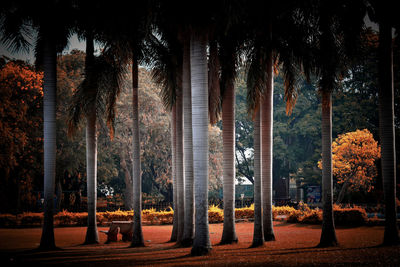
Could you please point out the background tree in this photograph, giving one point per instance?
(71, 167)
(21, 146)
(353, 156)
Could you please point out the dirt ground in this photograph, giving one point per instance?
(294, 246)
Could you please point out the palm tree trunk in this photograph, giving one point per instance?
(92, 236)
(328, 234)
(386, 128)
(174, 234)
(198, 67)
(228, 140)
(258, 236)
(266, 151)
(49, 121)
(188, 231)
(137, 238)
(128, 198)
(179, 166)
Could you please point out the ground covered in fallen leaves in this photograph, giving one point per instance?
(295, 245)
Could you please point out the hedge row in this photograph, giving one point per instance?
(354, 216)
(343, 216)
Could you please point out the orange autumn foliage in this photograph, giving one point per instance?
(353, 157)
(20, 130)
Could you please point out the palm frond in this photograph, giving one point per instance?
(109, 87)
(167, 59)
(256, 77)
(98, 91)
(15, 31)
(76, 110)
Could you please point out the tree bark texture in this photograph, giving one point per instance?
(174, 234)
(188, 232)
(328, 234)
(198, 66)
(92, 236)
(137, 239)
(266, 150)
(387, 133)
(128, 199)
(179, 166)
(228, 140)
(258, 235)
(49, 129)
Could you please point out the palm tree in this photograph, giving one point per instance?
(166, 60)
(258, 236)
(260, 86)
(47, 240)
(188, 230)
(97, 91)
(197, 17)
(179, 156)
(137, 240)
(53, 28)
(92, 235)
(386, 128)
(328, 64)
(198, 67)
(229, 62)
(174, 233)
(278, 34)
(127, 32)
(385, 15)
(266, 121)
(337, 33)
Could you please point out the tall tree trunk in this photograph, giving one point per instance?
(137, 239)
(92, 235)
(328, 234)
(387, 134)
(174, 234)
(179, 166)
(342, 192)
(258, 236)
(228, 140)
(59, 194)
(49, 121)
(188, 232)
(198, 67)
(128, 199)
(266, 150)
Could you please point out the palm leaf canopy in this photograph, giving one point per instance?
(165, 53)
(20, 19)
(99, 90)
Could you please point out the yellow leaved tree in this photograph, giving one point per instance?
(353, 158)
